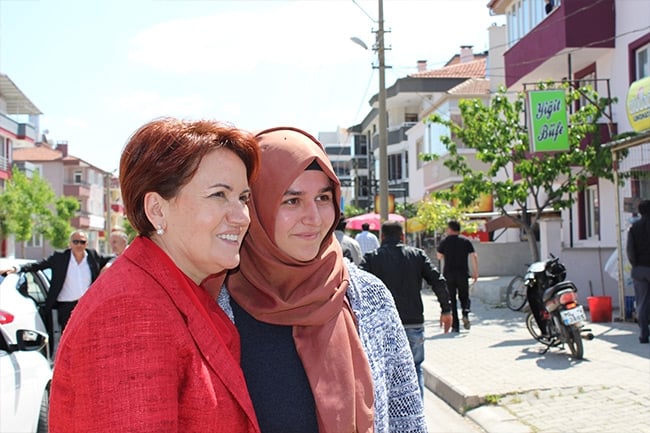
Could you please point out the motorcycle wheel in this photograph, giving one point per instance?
(574, 340)
(534, 330)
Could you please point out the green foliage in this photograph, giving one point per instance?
(351, 211)
(407, 210)
(435, 213)
(515, 176)
(59, 225)
(128, 228)
(29, 206)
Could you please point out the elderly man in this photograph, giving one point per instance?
(73, 271)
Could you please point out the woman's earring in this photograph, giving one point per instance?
(160, 231)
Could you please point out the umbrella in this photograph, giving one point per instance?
(373, 219)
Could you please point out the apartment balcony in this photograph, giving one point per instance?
(26, 132)
(77, 190)
(88, 221)
(571, 37)
(396, 134)
(360, 161)
(5, 166)
(81, 222)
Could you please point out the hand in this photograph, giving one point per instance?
(5, 272)
(475, 277)
(445, 322)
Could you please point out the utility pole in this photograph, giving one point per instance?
(383, 127)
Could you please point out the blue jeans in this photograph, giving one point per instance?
(416, 341)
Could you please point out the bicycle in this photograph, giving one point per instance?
(516, 297)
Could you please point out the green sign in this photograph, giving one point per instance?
(548, 120)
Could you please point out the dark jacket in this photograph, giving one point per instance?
(58, 262)
(638, 243)
(402, 269)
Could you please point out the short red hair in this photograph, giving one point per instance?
(164, 154)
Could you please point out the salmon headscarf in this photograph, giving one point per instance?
(310, 296)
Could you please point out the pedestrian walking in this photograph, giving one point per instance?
(455, 250)
(367, 239)
(638, 253)
(403, 268)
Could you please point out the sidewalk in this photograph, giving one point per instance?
(498, 360)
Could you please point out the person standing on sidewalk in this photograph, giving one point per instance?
(638, 253)
(367, 239)
(455, 250)
(402, 269)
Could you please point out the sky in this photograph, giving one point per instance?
(99, 69)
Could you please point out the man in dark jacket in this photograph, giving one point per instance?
(402, 269)
(73, 271)
(638, 253)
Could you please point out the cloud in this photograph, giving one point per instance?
(307, 34)
(146, 105)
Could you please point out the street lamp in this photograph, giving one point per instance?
(383, 127)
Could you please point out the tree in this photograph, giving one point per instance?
(516, 177)
(434, 214)
(59, 227)
(27, 208)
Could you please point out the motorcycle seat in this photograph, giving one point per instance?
(552, 291)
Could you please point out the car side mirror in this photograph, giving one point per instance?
(30, 340)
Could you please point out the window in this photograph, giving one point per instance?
(77, 177)
(589, 212)
(395, 167)
(411, 117)
(523, 16)
(643, 62)
(419, 147)
(639, 58)
(36, 241)
(585, 77)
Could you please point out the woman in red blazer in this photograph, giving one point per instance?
(147, 349)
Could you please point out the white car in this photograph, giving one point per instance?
(23, 296)
(25, 377)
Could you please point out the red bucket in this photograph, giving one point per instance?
(600, 308)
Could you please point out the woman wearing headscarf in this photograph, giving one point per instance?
(323, 349)
(147, 348)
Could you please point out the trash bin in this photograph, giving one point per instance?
(629, 307)
(600, 308)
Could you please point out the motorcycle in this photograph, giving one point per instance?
(565, 317)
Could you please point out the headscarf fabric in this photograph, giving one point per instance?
(309, 296)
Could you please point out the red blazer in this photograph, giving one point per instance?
(137, 356)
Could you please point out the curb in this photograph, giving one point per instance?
(491, 419)
(454, 397)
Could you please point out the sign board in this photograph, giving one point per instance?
(638, 104)
(549, 130)
(391, 203)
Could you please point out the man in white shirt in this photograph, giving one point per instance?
(366, 239)
(73, 271)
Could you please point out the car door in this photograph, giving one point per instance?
(23, 378)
